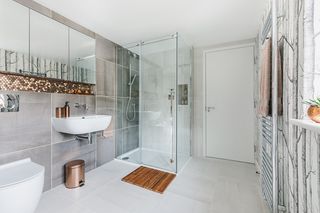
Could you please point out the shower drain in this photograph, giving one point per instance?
(125, 158)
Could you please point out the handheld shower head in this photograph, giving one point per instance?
(132, 80)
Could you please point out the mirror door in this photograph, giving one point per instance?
(14, 37)
(34, 44)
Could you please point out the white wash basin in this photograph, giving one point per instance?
(81, 125)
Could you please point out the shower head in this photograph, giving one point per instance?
(132, 80)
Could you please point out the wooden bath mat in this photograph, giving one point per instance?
(151, 179)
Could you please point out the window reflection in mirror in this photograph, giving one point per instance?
(48, 47)
(34, 44)
(14, 37)
(82, 57)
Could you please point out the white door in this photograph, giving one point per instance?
(229, 110)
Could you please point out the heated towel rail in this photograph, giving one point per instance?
(266, 168)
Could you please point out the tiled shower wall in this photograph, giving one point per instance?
(127, 132)
(106, 97)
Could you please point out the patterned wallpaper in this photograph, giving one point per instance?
(299, 157)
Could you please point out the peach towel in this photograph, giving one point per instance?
(265, 79)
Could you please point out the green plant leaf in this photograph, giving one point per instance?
(315, 102)
(307, 102)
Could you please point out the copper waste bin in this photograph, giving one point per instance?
(74, 171)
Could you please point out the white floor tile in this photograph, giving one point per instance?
(204, 186)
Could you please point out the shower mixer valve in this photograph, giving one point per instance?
(171, 95)
(171, 99)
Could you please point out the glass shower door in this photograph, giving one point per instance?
(158, 104)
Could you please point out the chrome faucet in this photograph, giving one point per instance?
(81, 106)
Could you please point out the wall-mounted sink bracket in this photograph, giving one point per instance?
(85, 137)
(9, 102)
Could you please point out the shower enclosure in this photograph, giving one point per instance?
(154, 103)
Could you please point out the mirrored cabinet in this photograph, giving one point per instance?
(82, 57)
(14, 37)
(48, 47)
(34, 44)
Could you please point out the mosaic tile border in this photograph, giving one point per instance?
(19, 82)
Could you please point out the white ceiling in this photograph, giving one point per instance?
(200, 22)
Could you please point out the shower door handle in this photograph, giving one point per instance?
(171, 98)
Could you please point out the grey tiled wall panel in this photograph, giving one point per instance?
(28, 128)
(107, 106)
(105, 149)
(127, 140)
(105, 49)
(106, 77)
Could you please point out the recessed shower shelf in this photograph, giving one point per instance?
(306, 124)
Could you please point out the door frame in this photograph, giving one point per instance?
(204, 87)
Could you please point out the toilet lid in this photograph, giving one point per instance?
(19, 171)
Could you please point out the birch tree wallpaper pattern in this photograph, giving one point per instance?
(298, 153)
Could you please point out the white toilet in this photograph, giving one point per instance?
(21, 185)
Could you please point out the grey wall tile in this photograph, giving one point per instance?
(119, 82)
(120, 110)
(124, 82)
(101, 77)
(106, 77)
(90, 102)
(123, 57)
(135, 63)
(119, 145)
(132, 138)
(40, 155)
(135, 86)
(126, 140)
(110, 82)
(119, 55)
(105, 149)
(28, 128)
(107, 106)
(67, 151)
(105, 49)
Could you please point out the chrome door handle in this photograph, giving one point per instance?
(210, 108)
(171, 98)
